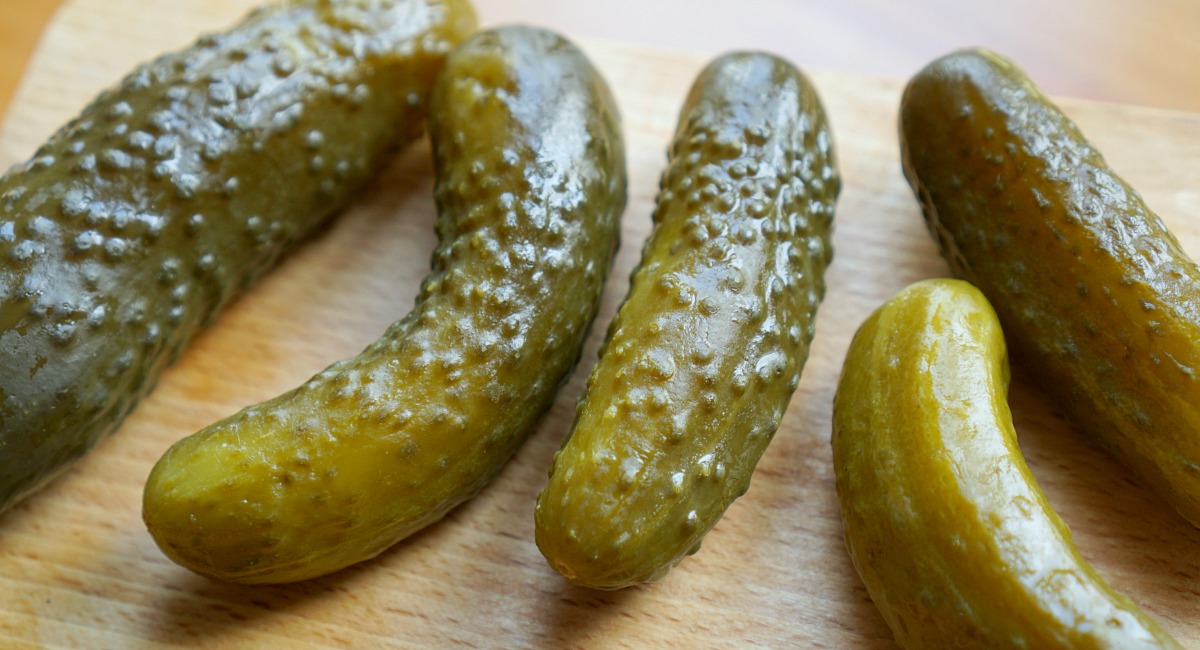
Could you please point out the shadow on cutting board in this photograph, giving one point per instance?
(572, 617)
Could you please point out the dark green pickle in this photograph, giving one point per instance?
(530, 187)
(1094, 293)
(134, 224)
(707, 349)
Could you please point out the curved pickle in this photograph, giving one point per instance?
(954, 540)
(530, 189)
(1092, 289)
(707, 349)
(134, 224)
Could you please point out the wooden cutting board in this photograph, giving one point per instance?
(78, 569)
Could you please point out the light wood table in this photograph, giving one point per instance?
(1114, 50)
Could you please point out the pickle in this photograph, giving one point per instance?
(135, 223)
(1092, 289)
(707, 349)
(530, 187)
(954, 540)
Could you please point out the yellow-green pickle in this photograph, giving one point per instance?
(136, 222)
(1094, 292)
(707, 349)
(530, 187)
(954, 540)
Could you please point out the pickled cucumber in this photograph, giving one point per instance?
(707, 349)
(530, 187)
(134, 224)
(1092, 289)
(954, 540)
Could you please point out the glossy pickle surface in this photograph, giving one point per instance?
(138, 220)
(530, 187)
(1095, 294)
(707, 348)
(951, 535)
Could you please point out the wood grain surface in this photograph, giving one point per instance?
(1134, 52)
(79, 570)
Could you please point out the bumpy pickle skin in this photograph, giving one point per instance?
(706, 351)
(1094, 292)
(135, 223)
(530, 187)
(951, 535)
